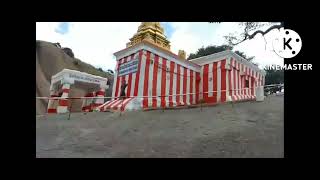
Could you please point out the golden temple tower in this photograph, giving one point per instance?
(152, 32)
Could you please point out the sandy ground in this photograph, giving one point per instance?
(249, 129)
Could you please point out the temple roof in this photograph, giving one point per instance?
(150, 31)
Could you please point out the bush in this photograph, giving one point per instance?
(69, 52)
(76, 63)
(100, 69)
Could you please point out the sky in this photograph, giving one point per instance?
(95, 42)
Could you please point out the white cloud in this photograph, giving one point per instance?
(95, 43)
(191, 36)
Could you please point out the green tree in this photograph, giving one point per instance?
(274, 76)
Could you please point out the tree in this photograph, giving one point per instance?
(250, 30)
(274, 76)
(68, 51)
(110, 71)
(204, 51)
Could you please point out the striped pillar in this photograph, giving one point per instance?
(100, 93)
(52, 104)
(63, 103)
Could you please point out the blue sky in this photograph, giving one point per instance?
(95, 42)
(168, 29)
(63, 28)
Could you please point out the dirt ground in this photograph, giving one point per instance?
(245, 130)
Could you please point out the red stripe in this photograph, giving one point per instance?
(136, 84)
(117, 83)
(238, 77)
(146, 80)
(129, 79)
(129, 85)
(115, 105)
(163, 82)
(215, 81)
(63, 102)
(125, 104)
(223, 81)
(112, 103)
(154, 81)
(123, 77)
(243, 84)
(205, 81)
(191, 86)
(100, 93)
(52, 110)
(197, 86)
(85, 108)
(105, 104)
(89, 95)
(66, 90)
(235, 81)
(185, 85)
(171, 83)
(229, 78)
(178, 84)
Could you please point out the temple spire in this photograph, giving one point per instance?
(150, 31)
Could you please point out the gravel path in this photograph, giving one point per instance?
(249, 129)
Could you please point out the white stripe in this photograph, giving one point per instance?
(116, 104)
(194, 88)
(174, 88)
(114, 83)
(236, 83)
(133, 80)
(127, 77)
(210, 82)
(167, 82)
(188, 87)
(181, 84)
(201, 84)
(219, 82)
(159, 82)
(120, 82)
(109, 105)
(151, 66)
(142, 72)
(62, 109)
(227, 85)
(232, 81)
(240, 83)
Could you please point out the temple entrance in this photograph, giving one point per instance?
(71, 83)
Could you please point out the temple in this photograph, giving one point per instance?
(155, 77)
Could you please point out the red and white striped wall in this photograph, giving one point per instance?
(155, 78)
(52, 104)
(89, 105)
(225, 80)
(63, 103)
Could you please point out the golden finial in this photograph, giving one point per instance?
(182, 54)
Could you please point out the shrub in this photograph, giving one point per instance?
(69, 52)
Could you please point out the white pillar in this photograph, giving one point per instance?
(52, 105)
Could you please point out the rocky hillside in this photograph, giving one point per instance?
(51, 59)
